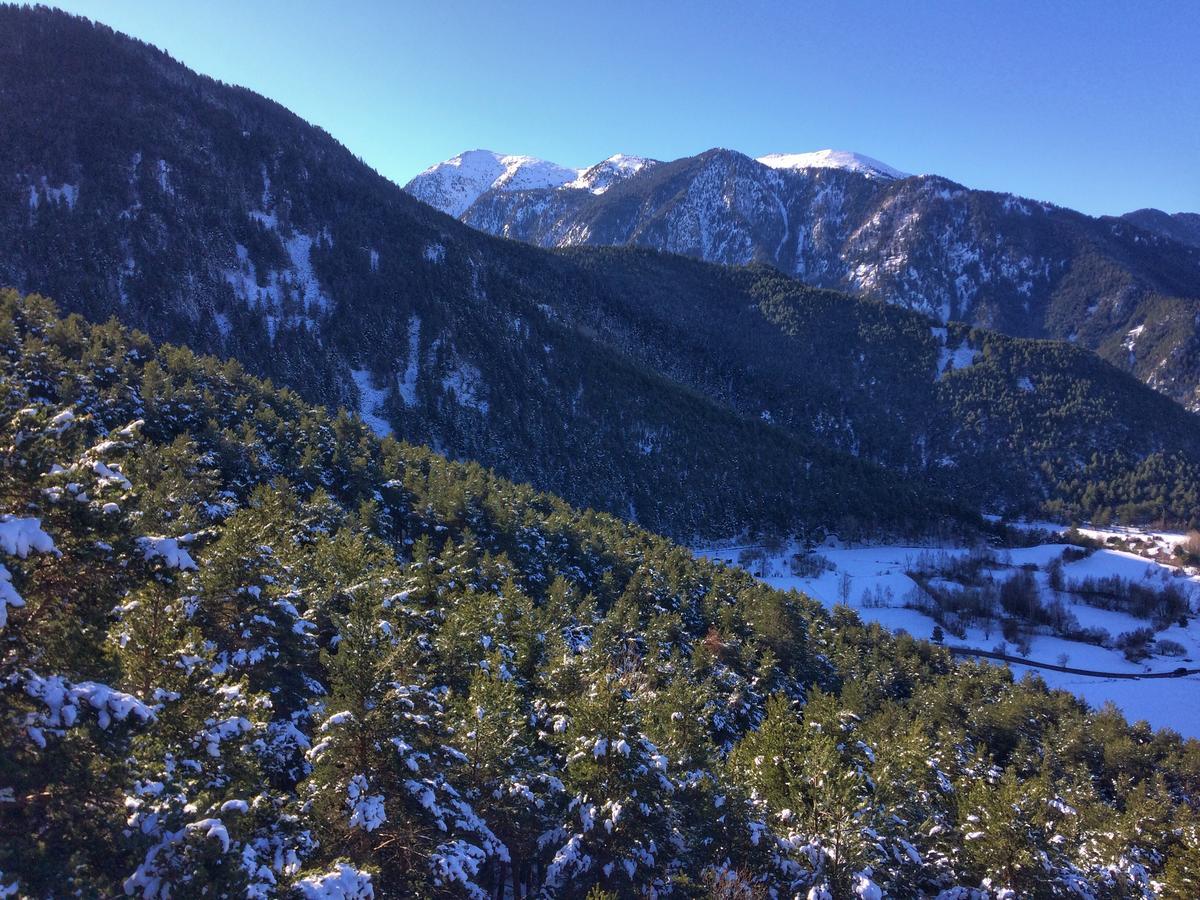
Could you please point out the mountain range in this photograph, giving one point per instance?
(1126, 287)
(697, 399)
(260, 637)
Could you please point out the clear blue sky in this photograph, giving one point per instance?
(1093, 105)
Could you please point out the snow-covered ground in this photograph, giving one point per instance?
(864, 576)
(371, 401)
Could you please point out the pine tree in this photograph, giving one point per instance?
(619, 826)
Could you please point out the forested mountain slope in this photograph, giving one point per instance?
(248, 649)
(210, 216)
(693, 399)
(1128, 288)
(1182, 227)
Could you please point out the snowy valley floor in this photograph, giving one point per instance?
(879, 571)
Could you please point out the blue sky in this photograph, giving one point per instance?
(1093, 105)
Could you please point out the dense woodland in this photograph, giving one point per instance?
(696, 400)
(249, 649)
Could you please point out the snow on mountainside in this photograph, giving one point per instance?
(455, 185)
(631, 382)
(452, 186)
(832, 159)
(841, 220)
(604, 174)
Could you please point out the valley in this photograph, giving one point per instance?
(1069, 604)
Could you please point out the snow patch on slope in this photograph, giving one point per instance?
(959, 358)
(466, 383)
(370, 402)
(297, 281)
(1131, 337)
(63, 193)
(408, 383)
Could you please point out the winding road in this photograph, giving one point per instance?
(1181, 672)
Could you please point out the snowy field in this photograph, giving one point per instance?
(867, 575)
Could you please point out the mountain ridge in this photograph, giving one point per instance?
(697, 399)
(455, 184)
(1182, 226)
(996, 260)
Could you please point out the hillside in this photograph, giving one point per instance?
(1128, 288)
(250, 649)
(692, 399)
(212, 217)
(1005, 424)
(1182, 227)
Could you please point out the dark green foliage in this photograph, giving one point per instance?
(387, 666)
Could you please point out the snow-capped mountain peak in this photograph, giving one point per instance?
(524, 173)
(455, 185)
(452, 186)
(832, 159)
(604, 174)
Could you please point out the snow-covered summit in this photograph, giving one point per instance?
(604, 174)
(832, 159)
(452, 186)
(455, 185)
(523, 173)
